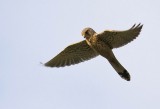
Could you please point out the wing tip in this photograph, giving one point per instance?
(46, 64)
(57, 65)
(50, 64)
(139, 26)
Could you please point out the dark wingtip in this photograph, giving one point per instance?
(47, 64)
(133, 26)
(138, 26)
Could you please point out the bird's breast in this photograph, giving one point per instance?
(97, 44)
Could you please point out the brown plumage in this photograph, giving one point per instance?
(97, 44)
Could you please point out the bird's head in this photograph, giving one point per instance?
(88, 32)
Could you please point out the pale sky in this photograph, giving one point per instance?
(34, 31)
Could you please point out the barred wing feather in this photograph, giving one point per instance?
(117, 39)
(73, 54)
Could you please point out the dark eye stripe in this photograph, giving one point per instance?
(87, 32)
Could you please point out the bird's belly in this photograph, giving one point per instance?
(101, 48)
(99, 45)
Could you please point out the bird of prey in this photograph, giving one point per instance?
(97, 44)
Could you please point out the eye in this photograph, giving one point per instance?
(87, 33)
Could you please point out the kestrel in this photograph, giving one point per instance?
(97, 44)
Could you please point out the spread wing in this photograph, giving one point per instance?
(117, 39)
(73, 54)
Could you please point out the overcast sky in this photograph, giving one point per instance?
(34, 31)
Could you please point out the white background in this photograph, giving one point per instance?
(34, 31)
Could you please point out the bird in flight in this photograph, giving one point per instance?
(97, 44)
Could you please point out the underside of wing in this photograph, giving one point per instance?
(73, 54)
(117, 39)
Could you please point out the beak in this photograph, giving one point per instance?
(83, 35)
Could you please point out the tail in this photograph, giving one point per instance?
(116, 65)
(119, 69)
(125, 75)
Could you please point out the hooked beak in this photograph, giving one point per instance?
(83, 35)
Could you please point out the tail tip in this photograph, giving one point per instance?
(125, 75)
